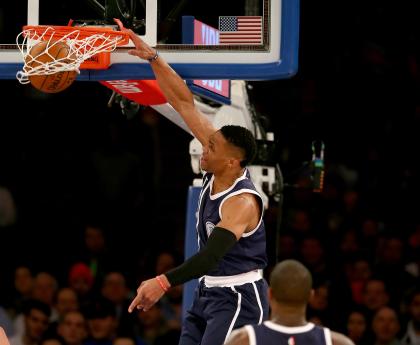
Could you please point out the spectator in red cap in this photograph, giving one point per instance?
(81, 280)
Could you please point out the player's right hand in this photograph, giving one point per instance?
(142, 49)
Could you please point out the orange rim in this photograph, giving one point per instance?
(79, 32)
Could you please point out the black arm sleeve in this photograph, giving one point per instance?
(218, 244)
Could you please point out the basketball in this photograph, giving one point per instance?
(44, 53)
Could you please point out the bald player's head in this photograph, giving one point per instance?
(291, 283)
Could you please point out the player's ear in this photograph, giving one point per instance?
(234, 162)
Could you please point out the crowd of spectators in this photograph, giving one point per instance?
(365, 273)
(91, 306)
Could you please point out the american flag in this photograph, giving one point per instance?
(240, 30)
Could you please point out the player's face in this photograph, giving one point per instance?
(214, 156)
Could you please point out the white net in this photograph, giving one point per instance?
(79, 49)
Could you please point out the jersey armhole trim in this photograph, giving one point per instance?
(238, 192)
(328, 339)
(251, 335)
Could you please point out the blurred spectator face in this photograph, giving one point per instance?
(350, 200)
(414, 309)
(356, 326)
(287, 246)
(73, 328)
(94, 239)
(51, 342)
(114, 287)
(414, 239)
(370, 228)
(66, 301)
(102, 321)
(319, 299)
(36, 323)
(361, 271)
(358, 274)
(123, 341)
(301, 222)
(393, 250)
(103, 327)
(80, 278)
(312, 251)
(385, 325)
(24, 281)
(45, 288)
(80, 285)
(375, 295)
(164, 263)
(349, 242)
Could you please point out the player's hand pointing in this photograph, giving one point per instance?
(148, 293)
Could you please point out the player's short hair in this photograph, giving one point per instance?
(291, 283)
(243, 139)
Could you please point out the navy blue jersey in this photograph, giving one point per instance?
(270, 333)
(249, 253)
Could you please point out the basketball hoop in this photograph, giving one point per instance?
(88, 47)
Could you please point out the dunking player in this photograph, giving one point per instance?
(290, 289)
(230, 229)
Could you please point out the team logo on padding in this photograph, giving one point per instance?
(209, 228)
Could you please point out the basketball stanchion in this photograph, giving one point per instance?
(54, 55)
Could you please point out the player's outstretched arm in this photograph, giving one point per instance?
(174, 89)
(340, 339)
(150, 291)
(238, 212)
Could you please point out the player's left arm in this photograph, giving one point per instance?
(238, 337)
(238, 215)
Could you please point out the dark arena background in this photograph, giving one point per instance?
(70, 166)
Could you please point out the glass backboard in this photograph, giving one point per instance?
(241, 39)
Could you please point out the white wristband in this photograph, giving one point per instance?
(153, 58)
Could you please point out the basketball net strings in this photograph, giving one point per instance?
(79, 51)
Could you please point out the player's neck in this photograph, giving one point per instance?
(290, 316)
(224, 180)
